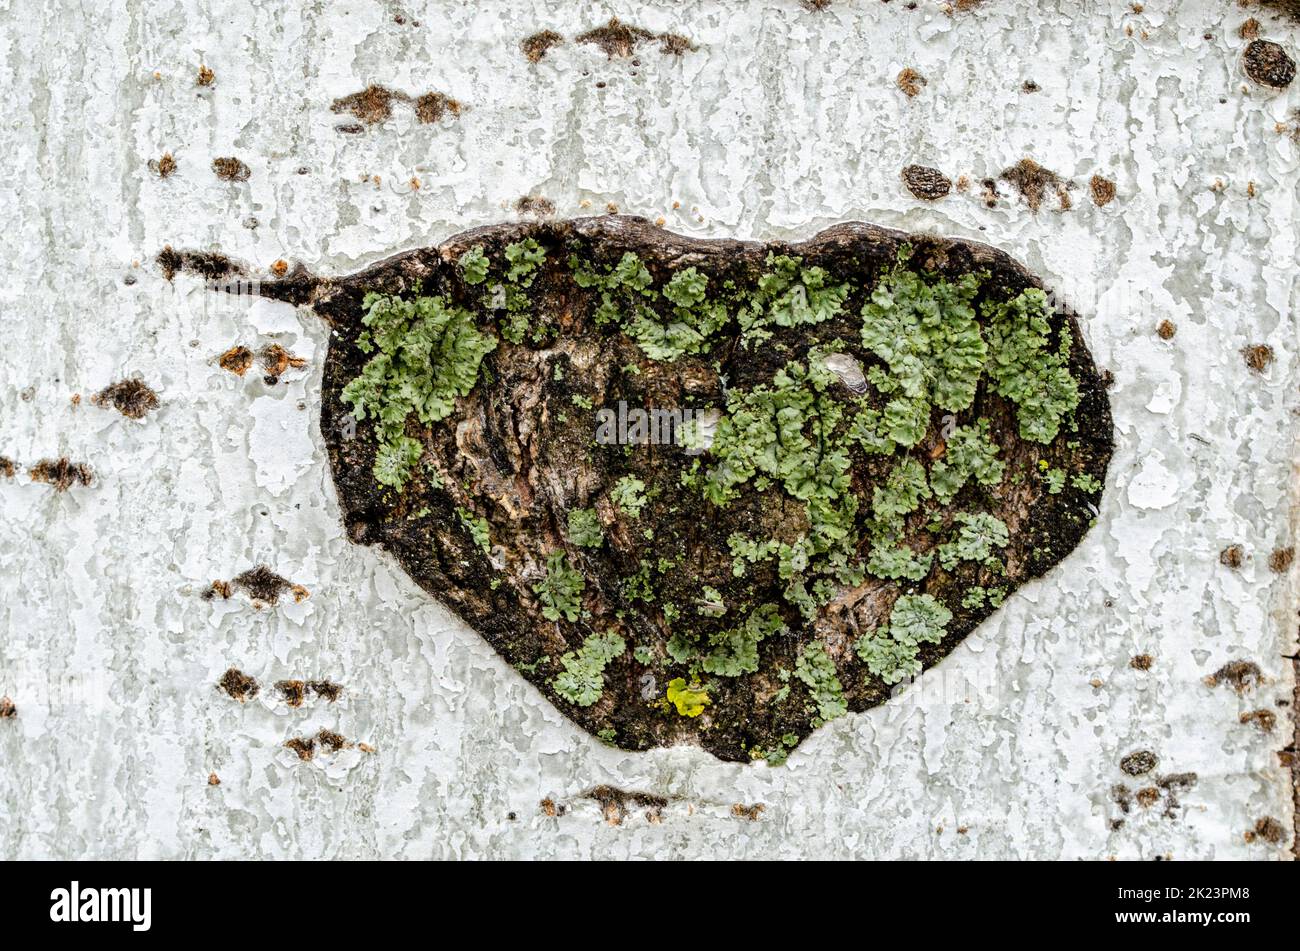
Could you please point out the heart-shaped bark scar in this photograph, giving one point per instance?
(710, 492)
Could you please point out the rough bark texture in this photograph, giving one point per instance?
(520, 452)
(783, 121)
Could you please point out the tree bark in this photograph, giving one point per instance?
(779, 123)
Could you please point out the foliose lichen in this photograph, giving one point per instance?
(879, 448)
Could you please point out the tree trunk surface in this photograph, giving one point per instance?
(1134, 701)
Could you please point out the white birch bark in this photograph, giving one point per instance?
(783, 121)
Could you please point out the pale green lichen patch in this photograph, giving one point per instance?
(891, 652)
(426, 352)
(584, 528)
(561, 590)
(582, 680)
(628, 494)
(1026, 369)
(820, 675)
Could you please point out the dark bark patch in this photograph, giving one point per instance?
(616, 804)
(330, 741)
(910, 82)
(292, 692)
(304, 746)
(131, 397)
(7, 709)
(231, 169)
(6, 467)
(536, 47)
(537, 206)
(218, 589)
(163, 166)
(1139, 763)
(371, 105)
(927, 184)
(237, 360)
(209, 265)
(264, 585)
(1240, 675)
(1103, 191)
(432, 106)
(1232, 556)
(1033, 181)
(1290, 8)
(374, 105)
(619, 40)
(62, 474)
(486, 514)
(1268, 64)
(1148, 796)
(238, 685)
(1267, 830)
(276, 361)
(1258, 356)
(1262, 720)
(325, 689)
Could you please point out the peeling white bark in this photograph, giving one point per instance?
(784, 121)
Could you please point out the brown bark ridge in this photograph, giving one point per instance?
(518, 452)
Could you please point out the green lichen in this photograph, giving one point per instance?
(1025, 369)
(976, 596)
(734, 651)
(628, 496)
(790, 295)
(970, 453)
(786, 433)
(1084, 482)
(584, 528)
(510, 293)
(524, 257)
(683, 322)
(561, 590)
(807, 443)
(690, 700)
(891, 652)
(691, 321)
(426, 354)
(474, 265)
(927, 334)
(640, 586)
(818, 673)
(890, 560)
(582, 680)
(977, 538)
(777, 756)
(478, 528)
(902, 492)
